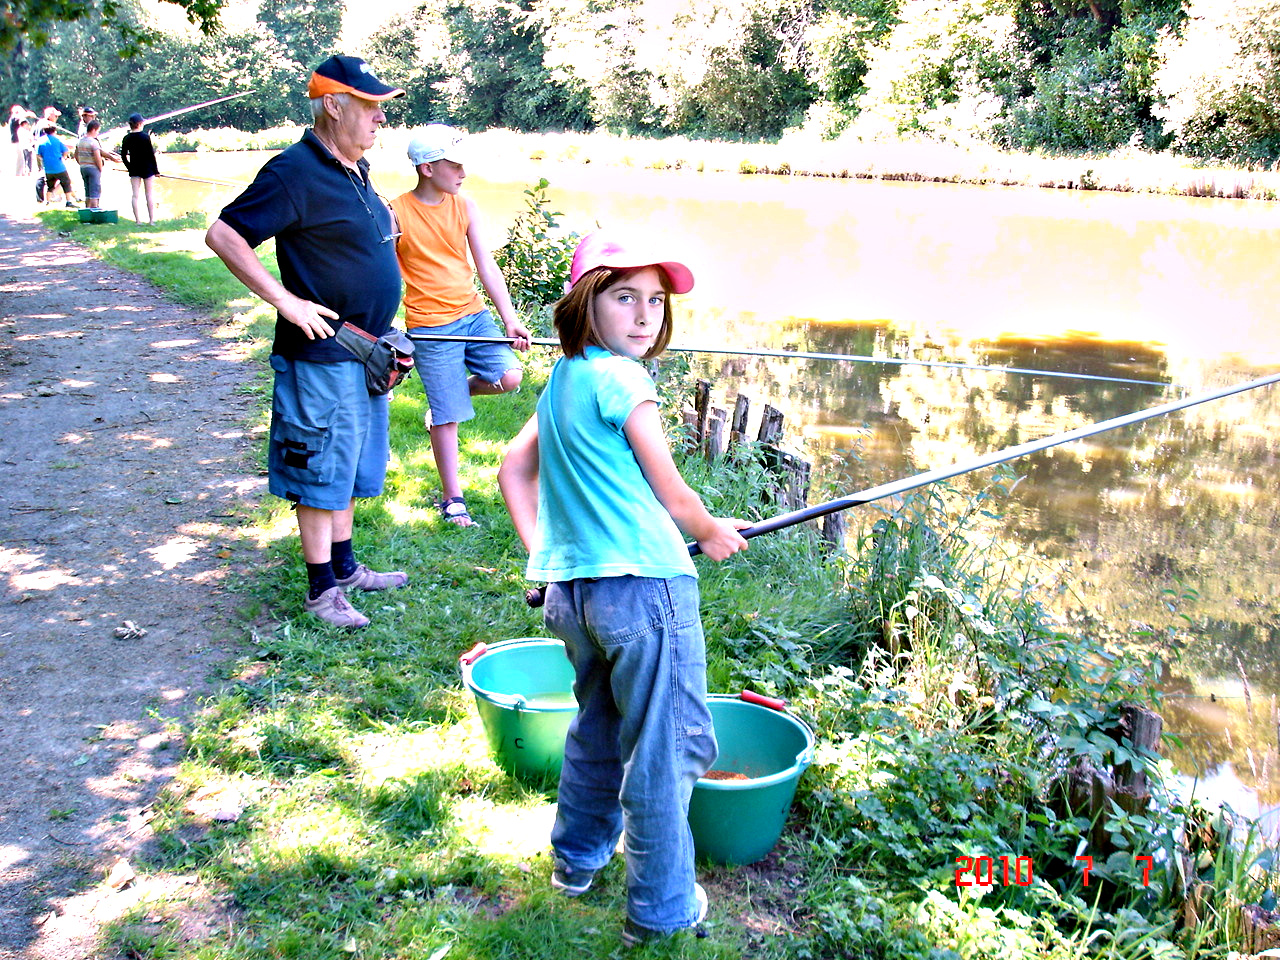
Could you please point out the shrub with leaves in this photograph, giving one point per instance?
(535, 259)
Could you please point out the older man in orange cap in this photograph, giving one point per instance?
(335, 245)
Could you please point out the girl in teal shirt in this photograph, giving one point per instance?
(596, 498)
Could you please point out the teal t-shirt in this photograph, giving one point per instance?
(597, 515)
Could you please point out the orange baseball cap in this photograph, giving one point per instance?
(349, 75)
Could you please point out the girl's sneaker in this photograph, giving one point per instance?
(633, 934)
(570, 882)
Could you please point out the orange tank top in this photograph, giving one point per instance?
(438, 279)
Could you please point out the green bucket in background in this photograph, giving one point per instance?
(524, 695)
(740, 821)
(97, 215)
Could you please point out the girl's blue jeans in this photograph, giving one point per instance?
(641, 739)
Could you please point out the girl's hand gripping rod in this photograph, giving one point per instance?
(534, 597)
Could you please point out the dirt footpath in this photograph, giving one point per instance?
(125, 466)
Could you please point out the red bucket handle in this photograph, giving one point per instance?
(474, 654)
(760, 700)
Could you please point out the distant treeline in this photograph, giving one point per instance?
(1201, 77)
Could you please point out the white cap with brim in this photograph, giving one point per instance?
(438, 141)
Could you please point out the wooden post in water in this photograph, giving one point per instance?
(1091, 791)
(793, 475)
(738, 424)
(834, 529)
(702, 404)
(713, 447)
(770, 425)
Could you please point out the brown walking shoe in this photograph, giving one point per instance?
(366, 579)
(332, 607)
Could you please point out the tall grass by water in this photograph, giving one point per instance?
(337, 798)
(1127, 170)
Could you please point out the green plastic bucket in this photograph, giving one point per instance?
(97, 215)
(740, 821)
(524, 695)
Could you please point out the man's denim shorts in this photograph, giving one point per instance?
(328, 435)
(445, 367)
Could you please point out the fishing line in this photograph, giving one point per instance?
(851, 357)
(534, 596)
(216, 183)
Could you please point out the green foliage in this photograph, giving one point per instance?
(498, 51)
(535, 259)
(933, 74)
(1061, 75)
(308, 31)
(410, 51)
(1086, 75)
(951, 733)
(35, 21)
(755, 87)
(840, 42)
(1221, 82)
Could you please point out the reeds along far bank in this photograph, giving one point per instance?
(1128, 170)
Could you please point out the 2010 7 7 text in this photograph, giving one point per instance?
(1020, 871)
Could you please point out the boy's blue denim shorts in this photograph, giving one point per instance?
(445, 366)
(328, 435)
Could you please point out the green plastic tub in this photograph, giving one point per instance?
(740, 821)
(97, 215)
(524, 694)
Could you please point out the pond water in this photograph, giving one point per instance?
(1175, 290)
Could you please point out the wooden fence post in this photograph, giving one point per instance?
(738, 425)
(770, 425)
(714, 445)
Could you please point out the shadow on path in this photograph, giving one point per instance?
(125, 468)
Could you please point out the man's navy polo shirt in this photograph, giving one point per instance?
(330, 228)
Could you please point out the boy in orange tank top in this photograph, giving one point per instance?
(438, 227)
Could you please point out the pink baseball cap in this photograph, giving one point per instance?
(598, 249)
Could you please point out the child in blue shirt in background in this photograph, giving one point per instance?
(596, 498)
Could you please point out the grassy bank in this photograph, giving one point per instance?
(1127, 170)
(338, 799)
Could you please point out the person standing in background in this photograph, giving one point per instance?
(139, 157)
(51, 154)
(16, 113)
(90, 155)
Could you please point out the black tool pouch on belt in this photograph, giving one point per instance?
(387, 360)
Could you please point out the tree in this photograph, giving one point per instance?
(498, 52)
(1084, 74)
(1221, 81)
(756, 85)
(935, 74)
(34, 20)
(307, 31)
(841, 42)
(410, 52)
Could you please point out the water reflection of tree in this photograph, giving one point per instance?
(1178, 501)
(1231, 730)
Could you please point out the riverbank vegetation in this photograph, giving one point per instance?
(1192, 77)
(1123, 170)
(337, 798)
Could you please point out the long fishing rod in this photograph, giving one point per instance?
(801, 355)
(534, 596)
(159, 116)
(181, 110)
